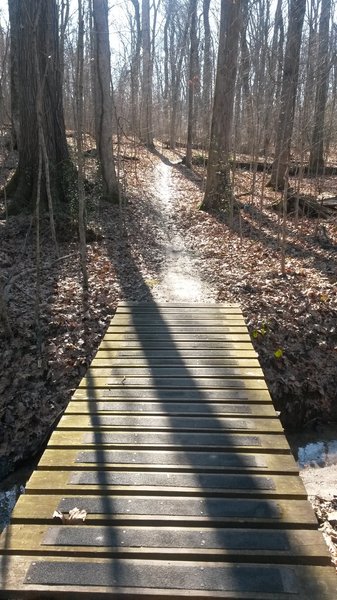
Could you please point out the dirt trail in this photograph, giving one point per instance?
(180, 279)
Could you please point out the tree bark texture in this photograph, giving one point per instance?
(288, 93)
(36, 23)
(218, 188)
(146, 134)
(193, 81)
(135, 69)
(207, 73)
(103, 99)
(316, 160)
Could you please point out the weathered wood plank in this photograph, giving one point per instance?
(171, 337)
(158, 440)
(103, 360)
(135, 406)
(288, 546)
(176, 371)
(165, 461)
(180, 348)
(169, 423)
(185, 320)
(173, 330)
(167, 395)
(185, 484)
(33, 508)
(42, 577)
(197, 383)
(135, 306)
(187, 356)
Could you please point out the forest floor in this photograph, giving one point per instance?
(160, 246)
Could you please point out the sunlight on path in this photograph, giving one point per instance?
(179, 280)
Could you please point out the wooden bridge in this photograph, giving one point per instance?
(172, 446)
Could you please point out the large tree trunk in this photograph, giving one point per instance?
(146, 134)
(288, 94)
(38, 28)
(316, 160)
(103, 100)
(218, 187)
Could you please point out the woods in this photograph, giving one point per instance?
(119, 122)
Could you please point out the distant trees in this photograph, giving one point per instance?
(279, 89)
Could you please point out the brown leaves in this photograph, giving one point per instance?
(74, 517)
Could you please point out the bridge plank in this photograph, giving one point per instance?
(170, 395)
(206, 422)
(237, 380)
(105, 360)
(133, 482)
(146, 541)
(163, 460)
(176, 371)
(146, 407)
(177, 580)
(238, 442)
(175, 510)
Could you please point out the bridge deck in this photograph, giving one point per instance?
(172, 446)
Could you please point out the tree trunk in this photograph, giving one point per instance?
(192, 81)
(13, 8)
(273, 83)
(246, 91)
(39, 25)
(218, 187)
(288, 94)
(176, 53)
(207, 73)
(135, 70)
(316, 160)
(103, 100)
(79, 136)
(146, 133)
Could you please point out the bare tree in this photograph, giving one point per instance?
(218, 186)
(38, 24)
(288, 93)
(207, 73)
(136, 43)
(146, 133)
(79, 136)
(316, 160)
(103, 99)
(193, 80)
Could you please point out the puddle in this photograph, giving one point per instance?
(315, 450)
(7, 502)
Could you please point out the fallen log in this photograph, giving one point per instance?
(306, 205)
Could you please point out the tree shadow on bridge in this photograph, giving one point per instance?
(216, 457)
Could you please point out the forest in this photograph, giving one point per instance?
(155, 148)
